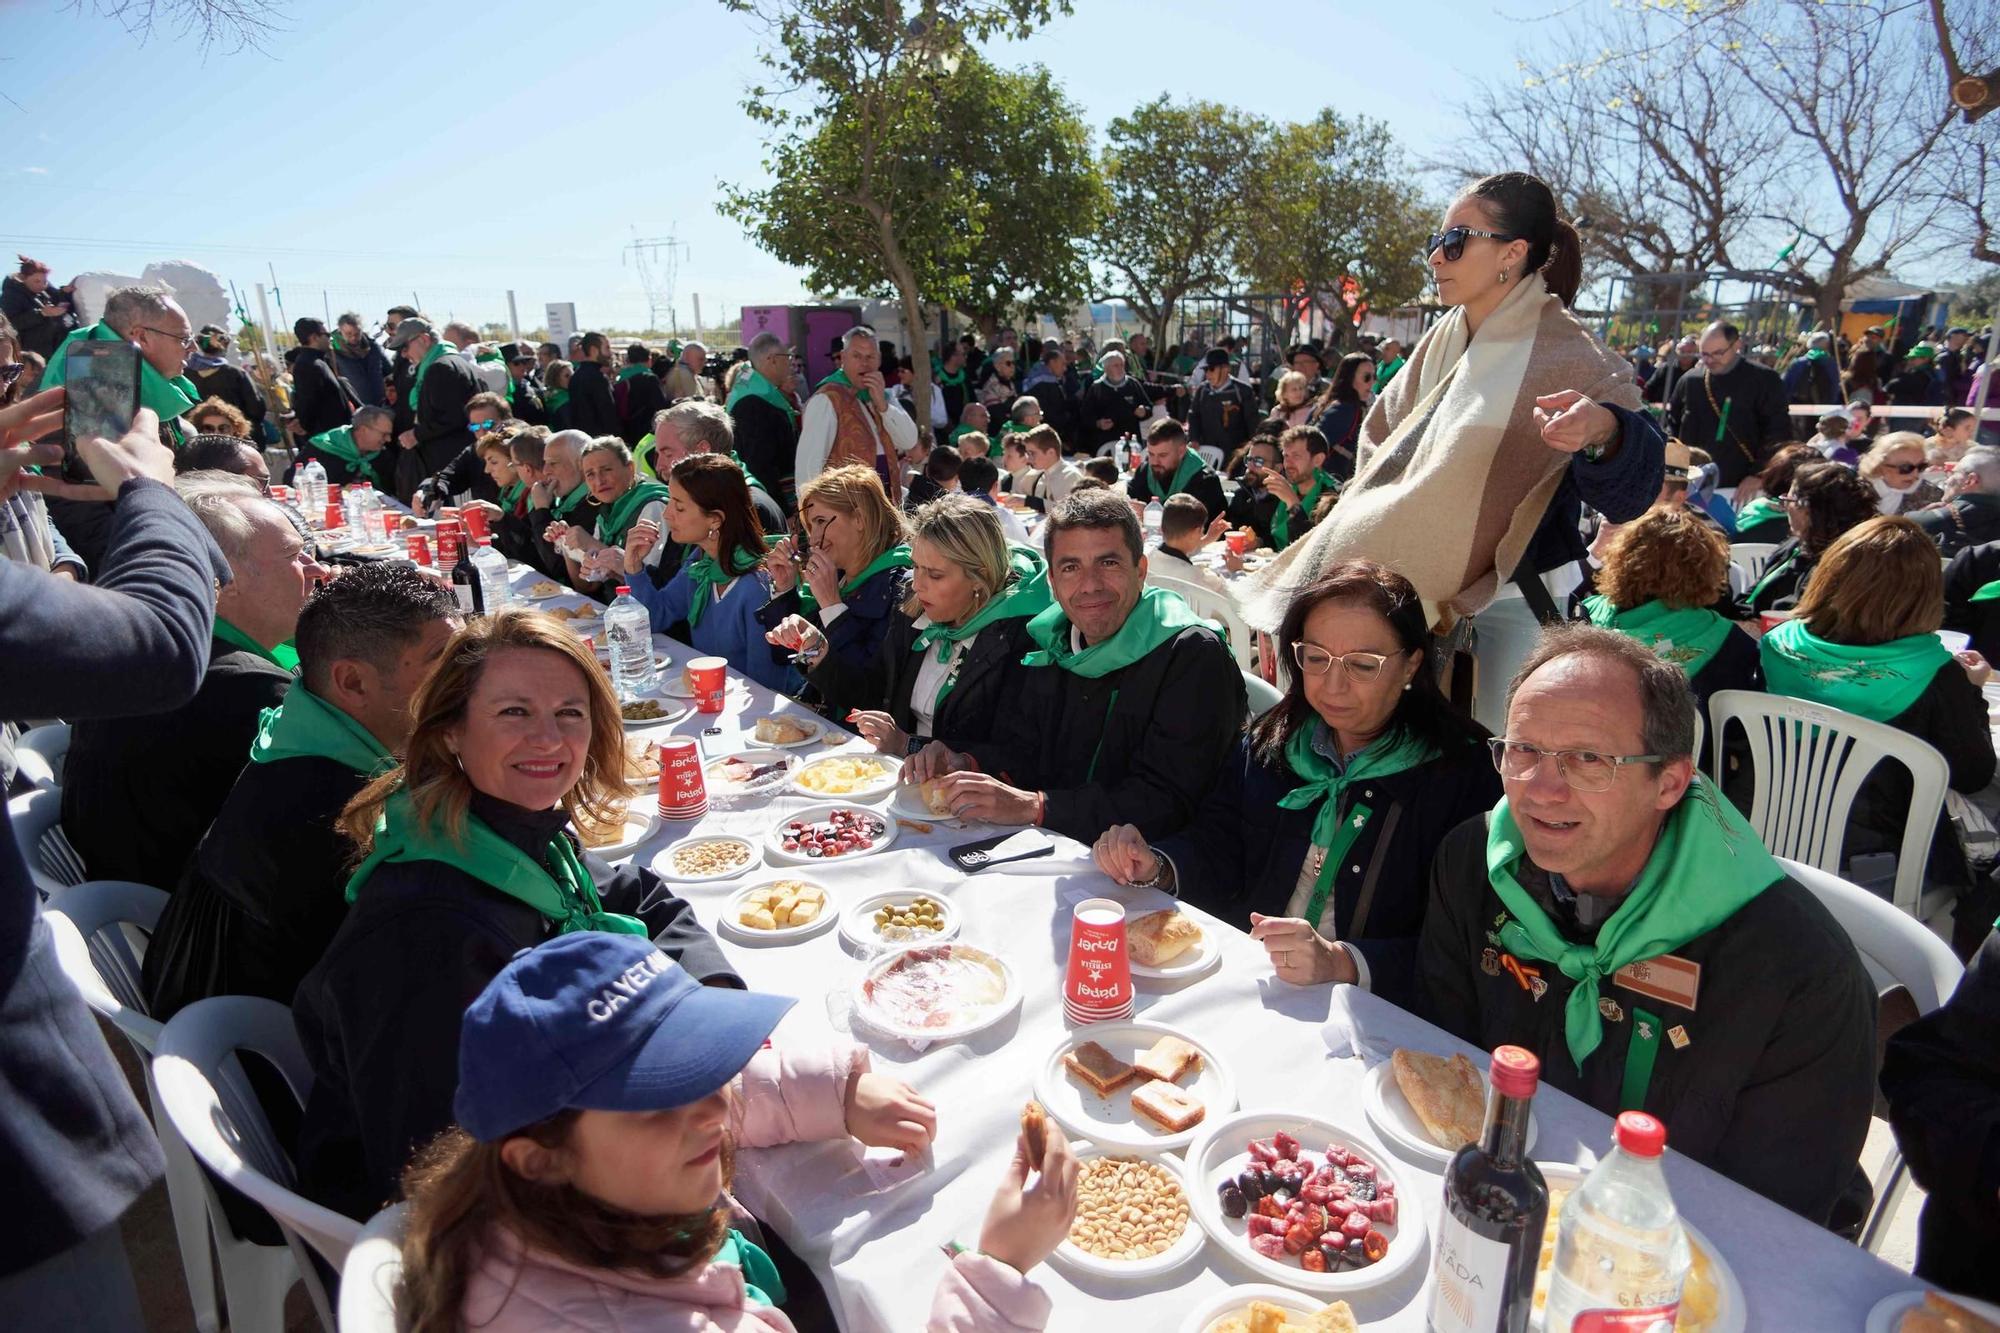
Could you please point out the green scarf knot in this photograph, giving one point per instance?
(1325, 783)
(1026, 594)
(630, 371)
(1761, 509)
(169, 398)
(1689, 637)
(1877, 681)
(304, 725)
(707, 576)
(754, 385)
(896, 557)
(339, 443)
(1281, 522)
(619, 516)
(562, 506)
(840, 377)
(555, 400)
(1158, 617)
(1191, 467)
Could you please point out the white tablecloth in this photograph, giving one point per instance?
(871, 1225)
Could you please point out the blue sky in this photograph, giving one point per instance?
(459, 150)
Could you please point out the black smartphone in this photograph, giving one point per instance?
(990, 852)
(100, 397)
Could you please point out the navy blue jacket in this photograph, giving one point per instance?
(1621, 488)
(75, 1149)
(856, 634)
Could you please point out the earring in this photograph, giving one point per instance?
(1503, 275)
(1406, 684)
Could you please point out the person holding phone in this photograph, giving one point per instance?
(42, 315)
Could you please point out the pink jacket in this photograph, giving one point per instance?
(784, 1097)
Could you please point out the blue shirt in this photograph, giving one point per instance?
(729, 626)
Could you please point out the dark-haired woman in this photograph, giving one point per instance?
(40, 314)
(1525, 417)
(1338, 411)
(1824, 501)
(1319, 834)
(1762, 516)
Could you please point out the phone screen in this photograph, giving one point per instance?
(100, 396)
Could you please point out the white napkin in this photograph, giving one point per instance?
(1360, 1025)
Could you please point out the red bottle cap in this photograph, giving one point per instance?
(1640, 1134)
(1516, 1071)
(624, 589)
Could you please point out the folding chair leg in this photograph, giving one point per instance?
(1892, 1182)
(187, 1201)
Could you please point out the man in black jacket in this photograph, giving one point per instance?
(1970, 514)
(591, 408)
(75, 1149)
(397, 384)
(1133, 706)
(1174, 468)
(1624, 923)
(1224, 410)
(1732, 407)
(1046, 384)
(442, 382)
(766, 418)
(319, 401)
(262, 896)
(524, 385)
(1686, 356)
(637, 396)
(215, 378)
(1115, 405)
(139, 792)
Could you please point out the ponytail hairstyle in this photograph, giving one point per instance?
(1525, 206)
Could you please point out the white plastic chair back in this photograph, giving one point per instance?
(1753, 558)
(368, 1278)
(98, 955)
(1210, 605)
(40, 753)
(205, 1094)
(37, 820)
(1808, 762)
(1263, 695)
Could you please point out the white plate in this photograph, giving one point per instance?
(906, 800)
(672, 686)
(872, 790)
(670, 711)
(1110, 1121)
(1390, 1113)
(1184, 1248)
(1189, 964)
(815, 729)
(857, 923)
(976, 1020)
(774, 845)
(1732, 1313)
(663, 864)
(1222, 1150)
(1891, 1308)
(733, 926)
(719, 786)
(529, 594)
(639, 825)
(1236, 1301)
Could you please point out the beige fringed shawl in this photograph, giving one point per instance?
(1451, 475)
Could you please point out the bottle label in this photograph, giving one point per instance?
(1653, 1319)
(1468, 1280)
(464, 593)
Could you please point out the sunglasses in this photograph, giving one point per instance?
(1452, 241)
(1902, 469)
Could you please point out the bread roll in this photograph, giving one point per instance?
(1157, 938)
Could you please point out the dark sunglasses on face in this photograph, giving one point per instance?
(1452, 241)
(1902, 469)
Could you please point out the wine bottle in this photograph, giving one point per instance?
(1496, 1205)
(465, 582)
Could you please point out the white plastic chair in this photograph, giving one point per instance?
(93, 924)
(1263, 695)
(37, 820)
(1753, 558)
(206, 1095)
(1210, 605)
(368, 1278)
(1808, 762)
(40, 753)
(1897, 950)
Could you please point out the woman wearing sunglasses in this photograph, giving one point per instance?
(1319, 833)
(1472, 466)
(1895, 464)
(1339, 410)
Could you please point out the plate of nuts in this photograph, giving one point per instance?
(904, 916)
(700, 859)
(1133, 1215)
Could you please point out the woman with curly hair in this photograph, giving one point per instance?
(1823, 501)
(1662, 573)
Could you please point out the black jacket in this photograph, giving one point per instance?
(524, 397)
(233, 385)
(1660, 386)
(1784, 578)
(1205, 486)
(1774, 529)
(401, 372)
(1759, 416)
(318, 400)
(1973, 519)
(1124, 404)
(441, 427)
(767, 440)
(1341, 425)
(1735, 666)
(75, 1149)
(1139, 746)
(637, 398)
(366, 370)
(1919, 386)
(138, 792)
(546, 557)
(1223, 418)
(1058, 410)
(262, 895)
(591, 409)
(41, 328)
(1620, 487)
(1256, 508)
(379, 1014)
(1775, 1083)
(857, 633)
(1941, 1076)
(1244, 853)
(1970, 570)
(465, 474)
(990, 679)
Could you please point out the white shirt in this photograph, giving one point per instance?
(931, 676)
(1011, 525)
(1056, 483)
(820, 423)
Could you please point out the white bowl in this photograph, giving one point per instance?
(733, 926)
(1184, 1248)
(857, 923)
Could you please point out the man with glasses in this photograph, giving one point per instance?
(1730, 406)
(1617, 916)
(1970, 514)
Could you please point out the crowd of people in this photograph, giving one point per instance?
(360, 796)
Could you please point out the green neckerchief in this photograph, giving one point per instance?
(284, 655)
(555, 400)
(1707, 864)
(1191, 466)
(303, 725)
(512, 496)
(1281, 522)
(1987, 592)
(169, 398)
(754, 385)
(1772, 573)
(620, 514)
(955, 379)
(706, 574)
(1323, 783)
(563, 892)
(339, 443)
(761, 1284)
(840, 377)
(1388, 372)
(896, 557)
(1816, 354)
(438, 349)
(1762, 509)
(561, 506)
(1688, 638)
(1877, 680)
(951, 440)
(1156, 618)
(642, 454)
(1026, 594)
(630, 371)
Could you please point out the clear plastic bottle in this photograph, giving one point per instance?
(1621, 1252)
(1154, 511)
(374, 514)
(312, 490)
(492, 569)
(628, 631)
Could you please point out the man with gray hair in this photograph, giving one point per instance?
(350, 452)
(1660, 388)
(852, 420)
(1970, 514)
(139, 791)
(697, 426)
(686, 380)
(1814, 378)
(1618, 917)
(764, 409)
(557, 495)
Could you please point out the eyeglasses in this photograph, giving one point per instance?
(1317, 661)
(1583, 770)
(1719, 354)
(1902, 469)
(1792, 501)
(184, 342)
(1452, 241)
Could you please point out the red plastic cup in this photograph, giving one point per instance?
(280, 492)
(475, 523)
(449, 546)
(707, 675)
(418, 547)
(1098, 983)
(334, 516)
(1239, 542)
(451, 514)
(683, 790)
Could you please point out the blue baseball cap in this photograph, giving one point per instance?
(599, 1022)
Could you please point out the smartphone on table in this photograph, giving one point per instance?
(100, 397)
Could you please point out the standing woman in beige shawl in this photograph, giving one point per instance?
(1510, 415)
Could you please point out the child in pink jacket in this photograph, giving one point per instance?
(602, 1094)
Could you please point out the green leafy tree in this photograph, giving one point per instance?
(878, 175)
(1177, 175)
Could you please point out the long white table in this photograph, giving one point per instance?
(871, 1224)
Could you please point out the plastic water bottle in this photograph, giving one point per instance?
(1154, 509)
(1621, 1252)
(312, 489)
(492, 569)
(374, 517)
(628, 629)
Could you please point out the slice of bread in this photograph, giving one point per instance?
(1447, 1095)
(1167, 1106)
(1170, 1060)
(1098, 1068)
